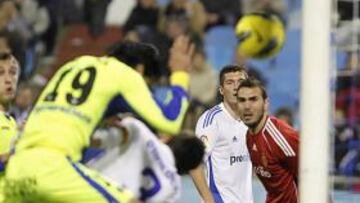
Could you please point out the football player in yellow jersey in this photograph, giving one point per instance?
(45, 166)
(9, 75)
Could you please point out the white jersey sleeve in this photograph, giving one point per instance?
(207, 129)
(160, 180)
(147, 167)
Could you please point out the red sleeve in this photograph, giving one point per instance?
(292, 137)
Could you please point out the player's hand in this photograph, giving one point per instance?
(181, 54)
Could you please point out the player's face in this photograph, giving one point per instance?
(231, 83)
(252, 106)
(9, 74)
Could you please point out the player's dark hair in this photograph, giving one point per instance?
(251, 83)
(230, 69)
(134, 53)
(188, 151)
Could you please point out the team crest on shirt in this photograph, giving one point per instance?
(204, 139)
(254, 148)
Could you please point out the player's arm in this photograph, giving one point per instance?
(199, 180)
(207, 134)
(292, 159)
(165, 116)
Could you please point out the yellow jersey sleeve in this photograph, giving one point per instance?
(135, 96)
(8, 133)
(87, 89)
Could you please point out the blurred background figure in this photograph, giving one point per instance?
(95, 12)
(285, 114)
(23, 104)
(203, 87)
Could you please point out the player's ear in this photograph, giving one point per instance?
(140, 68)
(266, 105)
(221, 90)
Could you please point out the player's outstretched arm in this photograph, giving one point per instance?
(165, 116)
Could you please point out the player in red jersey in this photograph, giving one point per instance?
(273, 145)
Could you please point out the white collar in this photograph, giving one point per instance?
(227, 113)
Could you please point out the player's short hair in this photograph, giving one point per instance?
(5, 56)
(230, 69)
(252, 83)
(188, 151)
(134, 53)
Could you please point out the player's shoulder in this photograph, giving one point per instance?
(281, 126)
(210, 116)
(5, 118)
(283, 135)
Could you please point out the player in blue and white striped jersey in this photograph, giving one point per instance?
(227, 166)
(145, 165)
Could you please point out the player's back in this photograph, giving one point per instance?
(73, 102)
(145, 165)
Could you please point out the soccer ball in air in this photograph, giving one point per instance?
(260, 35)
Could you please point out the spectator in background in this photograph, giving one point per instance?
(36, 16)
(271, 6)
(203, 87)
(175, 26)
(145, 13)
(203, 81)
(49, 36)
(95, 13)
(192, 10)
(285, 114)
(23, 103)
(225, 12)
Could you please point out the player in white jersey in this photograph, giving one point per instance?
(227, 166)
(148, 167)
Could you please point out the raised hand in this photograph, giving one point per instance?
(181, 54)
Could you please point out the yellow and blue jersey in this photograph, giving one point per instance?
(85, 90)
(8, 135)
(8, 132)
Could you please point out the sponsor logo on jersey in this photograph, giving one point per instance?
(262, 172)
(238, 159)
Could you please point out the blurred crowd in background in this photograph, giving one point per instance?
(43, 34)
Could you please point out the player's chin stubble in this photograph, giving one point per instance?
(256, 123)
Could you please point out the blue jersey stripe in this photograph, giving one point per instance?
(212, 117)
(94, 184)
(173, 108)
(2, 166)
(208, 114)
(91, 153)
(213, 188)
(170, 110)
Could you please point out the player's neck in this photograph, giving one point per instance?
(3, 108)
(259, 126)
(232, 109)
